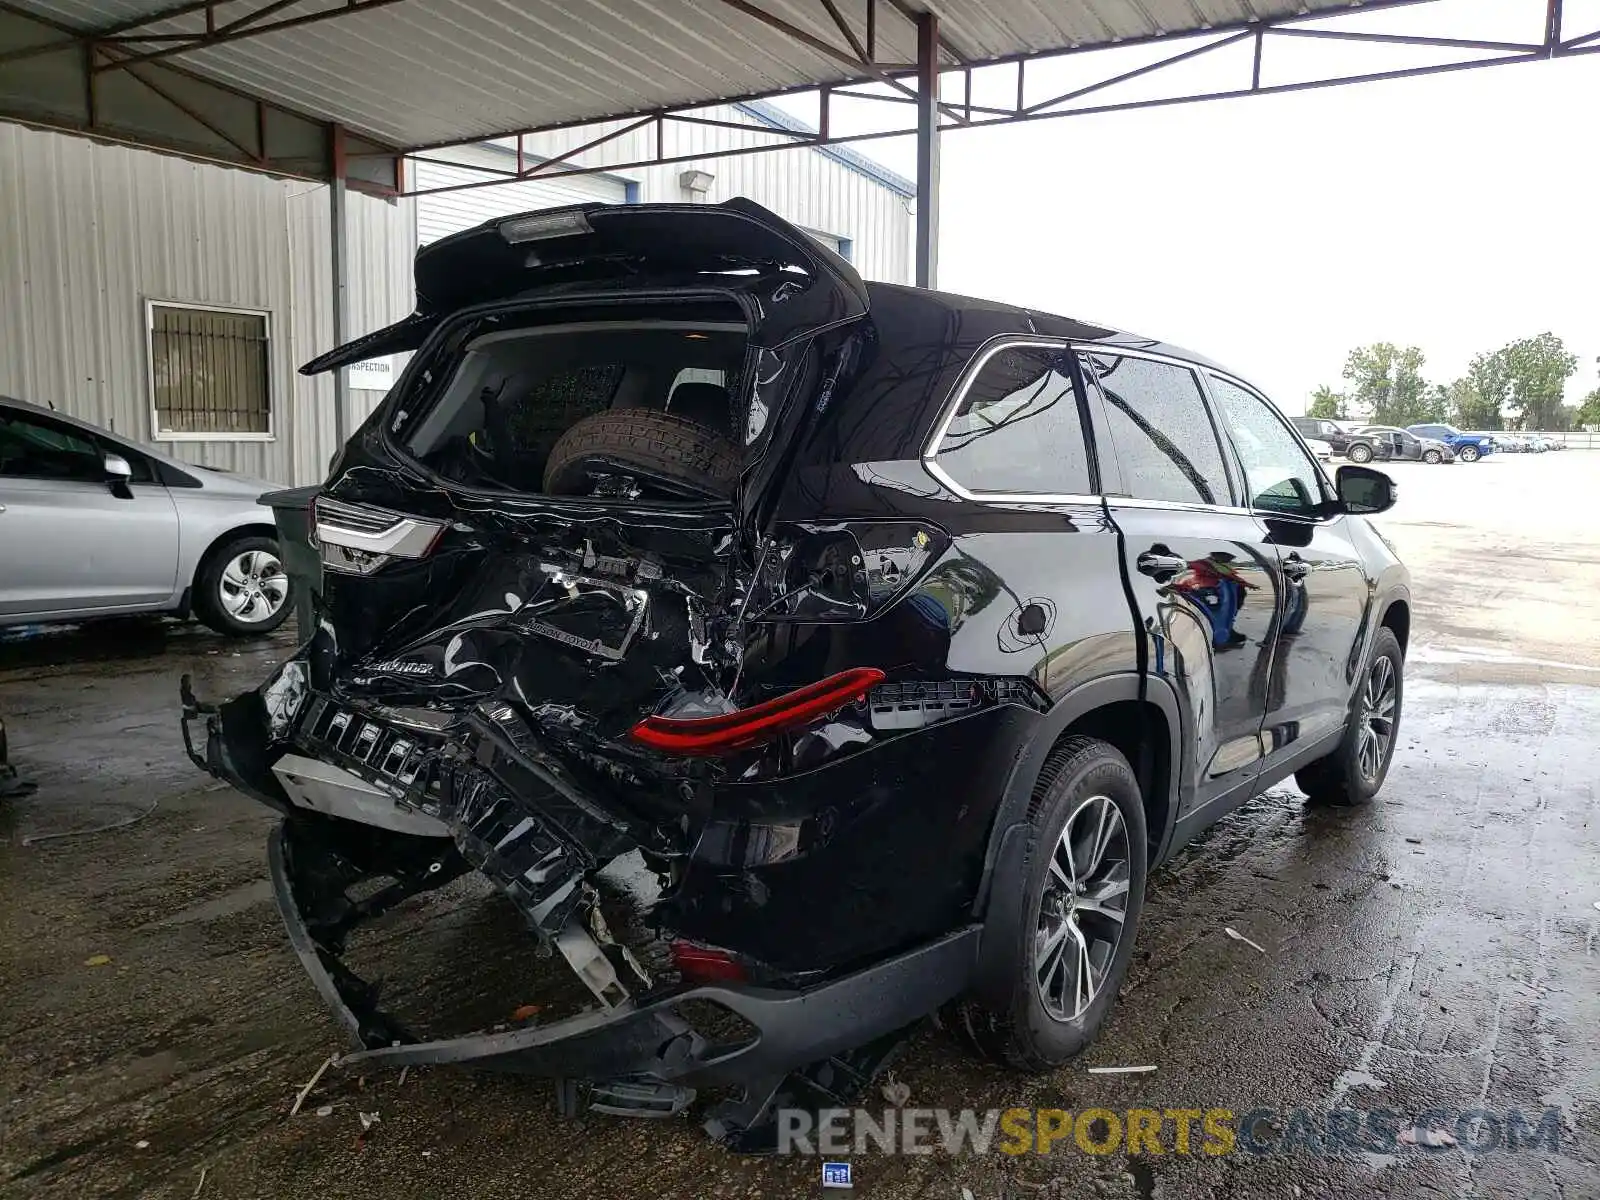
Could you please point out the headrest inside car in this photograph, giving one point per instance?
(705, 403)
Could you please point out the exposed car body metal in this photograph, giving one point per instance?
(482, 656)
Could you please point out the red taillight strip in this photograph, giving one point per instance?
(727, 732)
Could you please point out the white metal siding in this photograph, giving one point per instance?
(804, 186)
(450, 212)
(88, 232)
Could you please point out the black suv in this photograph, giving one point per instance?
(874, 641)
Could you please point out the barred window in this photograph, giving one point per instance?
(209, 372)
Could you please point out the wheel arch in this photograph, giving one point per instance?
(1397, 618)
(233, 533)
(1139, 717)
(191, 589)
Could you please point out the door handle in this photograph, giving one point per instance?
(1151, 563)
(1296, 568)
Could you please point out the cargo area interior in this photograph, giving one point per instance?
(502, 398)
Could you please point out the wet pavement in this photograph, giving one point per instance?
(1439, 949)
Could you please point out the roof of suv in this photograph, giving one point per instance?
(1052, 325)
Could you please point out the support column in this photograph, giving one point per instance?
(341, 275)
(927, 150)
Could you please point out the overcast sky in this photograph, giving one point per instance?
(1452, 212)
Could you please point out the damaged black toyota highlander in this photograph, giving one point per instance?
(892, 635)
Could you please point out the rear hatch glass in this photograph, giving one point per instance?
(490, 414)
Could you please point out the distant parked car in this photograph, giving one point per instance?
(93, 526)
(1406, 446)
(1469, 447)
(1322, 435)
(1505, 443)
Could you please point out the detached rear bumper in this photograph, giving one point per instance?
(648, 1039)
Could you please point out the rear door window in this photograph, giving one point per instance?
(1018, 429)
(1161, 430)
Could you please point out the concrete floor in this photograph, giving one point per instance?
(1437, 949)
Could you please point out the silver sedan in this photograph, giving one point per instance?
(92, 525)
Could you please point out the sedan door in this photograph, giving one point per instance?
(70, 543)
(1327, 595)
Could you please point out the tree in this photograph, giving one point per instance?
(1434, 405)
(1539, 368)
(1475, 399)
(1387, 383)
(1326, 403)
(1489, 381)
(1588, 413)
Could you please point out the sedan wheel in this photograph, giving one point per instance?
(252, 587)
(242, 589)
(1360, 454)
(1432, 456)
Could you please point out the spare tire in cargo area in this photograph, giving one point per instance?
(659, 446)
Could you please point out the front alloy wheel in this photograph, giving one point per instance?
(1355, 770)
(1083, 909)
(1432, 456)
(1468, 454)
(1375, 733)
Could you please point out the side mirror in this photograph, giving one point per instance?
(1364, 491)
(118, 475)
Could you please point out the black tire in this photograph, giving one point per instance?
(1468, 454)
(1013, 1026)
(209, 595)
(1360, 453)
(1340, 778)
(1432, 456)
(661, 445)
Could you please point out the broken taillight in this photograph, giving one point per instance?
(357, 539)
(726, 733)
(705, 964)
(840, 571)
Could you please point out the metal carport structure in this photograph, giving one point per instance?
(345, 91)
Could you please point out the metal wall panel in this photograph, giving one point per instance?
(450, 212)
(89, 232)
(808, 187)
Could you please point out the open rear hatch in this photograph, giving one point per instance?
(598, 243)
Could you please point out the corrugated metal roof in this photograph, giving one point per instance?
(430, 71)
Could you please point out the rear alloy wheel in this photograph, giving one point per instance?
(1467, 454)
(1432, 456)
(242, 589)
(1360, 453)
(1081, 892)
(1354, 772)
